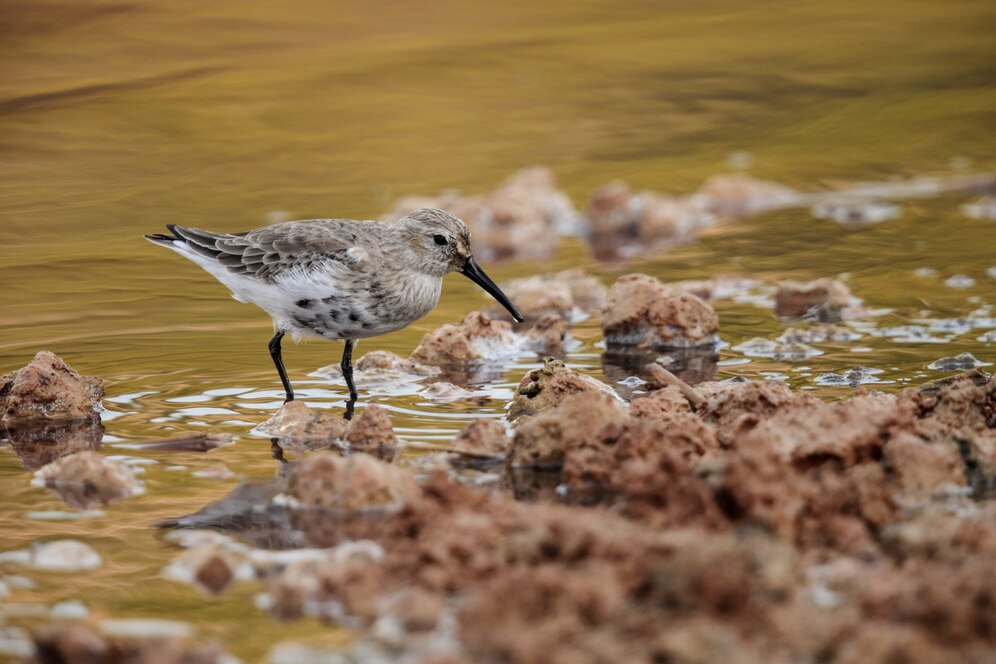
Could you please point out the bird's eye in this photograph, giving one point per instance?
(440, 240)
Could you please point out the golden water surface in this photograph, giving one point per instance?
(120, 116)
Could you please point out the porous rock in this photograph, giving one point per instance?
(549, 385)
(543, 439)
(49, 389)
(296, 421)
(548, 334)
(327, 480)
(81, 642)
(89, 479)
(482, 438)
(476, 339)
(296, 424)
(640, 311)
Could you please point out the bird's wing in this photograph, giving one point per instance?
(265, 253)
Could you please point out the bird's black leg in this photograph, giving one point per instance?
(279, 363)
(347, 372)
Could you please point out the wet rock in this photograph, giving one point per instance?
(549, 334)
(207, 567)
(548, 386)
(542, 440)
(960, 362)
(855, 211)
(478, 338)
(88, 480)
(775, 350)
(641, 311)
(49, 389)
(817, 334)
(738, 195)
(297, 422)
(623, 223)
(335, 587)
(482, 438)
(380, 367)
(81, 642)
(823, 299)
(853, 377)
(446, 392)
(922, 468)
(38, 443)
(386, 360)
(961, 410)
(328, 481)
(298, 426)
(371, 430)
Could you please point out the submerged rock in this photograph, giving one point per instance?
(478, 338)
(641, 311)
(823, 299)
(548, 386)
(960, 362)
(49, 389)
(88, 480)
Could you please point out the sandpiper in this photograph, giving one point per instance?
(337, 278)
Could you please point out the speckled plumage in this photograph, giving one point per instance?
(337, 278)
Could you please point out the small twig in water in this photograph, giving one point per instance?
(665, 377)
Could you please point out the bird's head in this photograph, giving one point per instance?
(442, 243)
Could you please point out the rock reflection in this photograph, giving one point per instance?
(692, 365)
(39, 443)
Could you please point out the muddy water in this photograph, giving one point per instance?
(118, 117)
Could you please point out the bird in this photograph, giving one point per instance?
(337, 279)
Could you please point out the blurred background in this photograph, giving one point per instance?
(119, 116)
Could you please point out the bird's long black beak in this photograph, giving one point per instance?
(474, 272)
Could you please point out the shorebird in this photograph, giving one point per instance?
(337, 278)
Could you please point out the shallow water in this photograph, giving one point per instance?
(119, 117)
